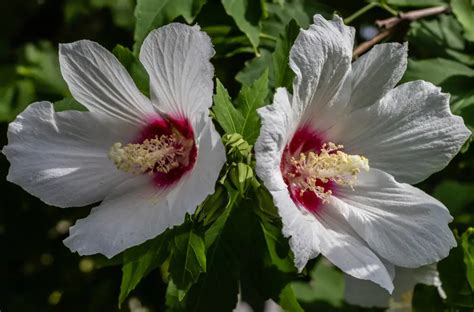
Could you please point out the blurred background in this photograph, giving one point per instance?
(38, 273)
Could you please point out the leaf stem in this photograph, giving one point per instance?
(358, 13)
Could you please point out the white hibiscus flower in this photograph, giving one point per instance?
(148, 161)
(340, 154)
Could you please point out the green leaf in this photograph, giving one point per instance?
(467, 243)
(250, 98)
(228, 117)
(254, 68)
(287, 300)
(452, 271)
(456, 196)
(42, 66)
(223, 244)
(435, 70)
(15, 97)
(464, 11)
(68, 103)
(283, 74)
(277, 247)
(188, 258)
(241, 177)
(246, 14)
(439, 37)
(140, 261)
(151, 14)
(327, 284)
(134, 68)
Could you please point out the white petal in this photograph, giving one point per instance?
(411, 133)
(176, 57)
(302, 228)
(398, 221)
(98, 81)
(278, 126)
(321, 59)
(329, 234)
(62, 157)
(137, 211)
(132, 213)
(377, 72)
(341, 245)
(202, 179)
(367, 294)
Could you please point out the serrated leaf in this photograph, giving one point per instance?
(283, 75)
(134, 68)
(228, 117)
(188, 259)
(249, 100)
(246, 14)
(467, 243)
(464, 11)
(151, 14)
(254, 68)
(140, 261)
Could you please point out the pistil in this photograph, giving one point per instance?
(159, 154)
(330, 164)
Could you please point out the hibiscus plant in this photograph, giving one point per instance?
(324, 182)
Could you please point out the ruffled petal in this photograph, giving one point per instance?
(321, 59)
(329, 234)
(367, 294)
(398, 221)
(137, 211)
(410, 133)
(62, 157)
(176, 57)
(302, 228)
(98, 81)
(341, 245)
(377, 72)
(278, 126)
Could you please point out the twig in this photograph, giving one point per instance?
(388, 25)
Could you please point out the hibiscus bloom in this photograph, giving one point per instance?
(149, 161)
(339, 156)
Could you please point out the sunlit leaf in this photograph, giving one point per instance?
(246, 14)
(151, 14)
(464, 11)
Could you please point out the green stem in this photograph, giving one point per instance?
(358, 13)
(387, 8)
(267, 36)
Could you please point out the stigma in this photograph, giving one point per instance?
(311, 171)
(159, 154)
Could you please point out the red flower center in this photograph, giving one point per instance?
(304, 141)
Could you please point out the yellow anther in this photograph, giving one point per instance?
(330, 164)
(158, 154)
